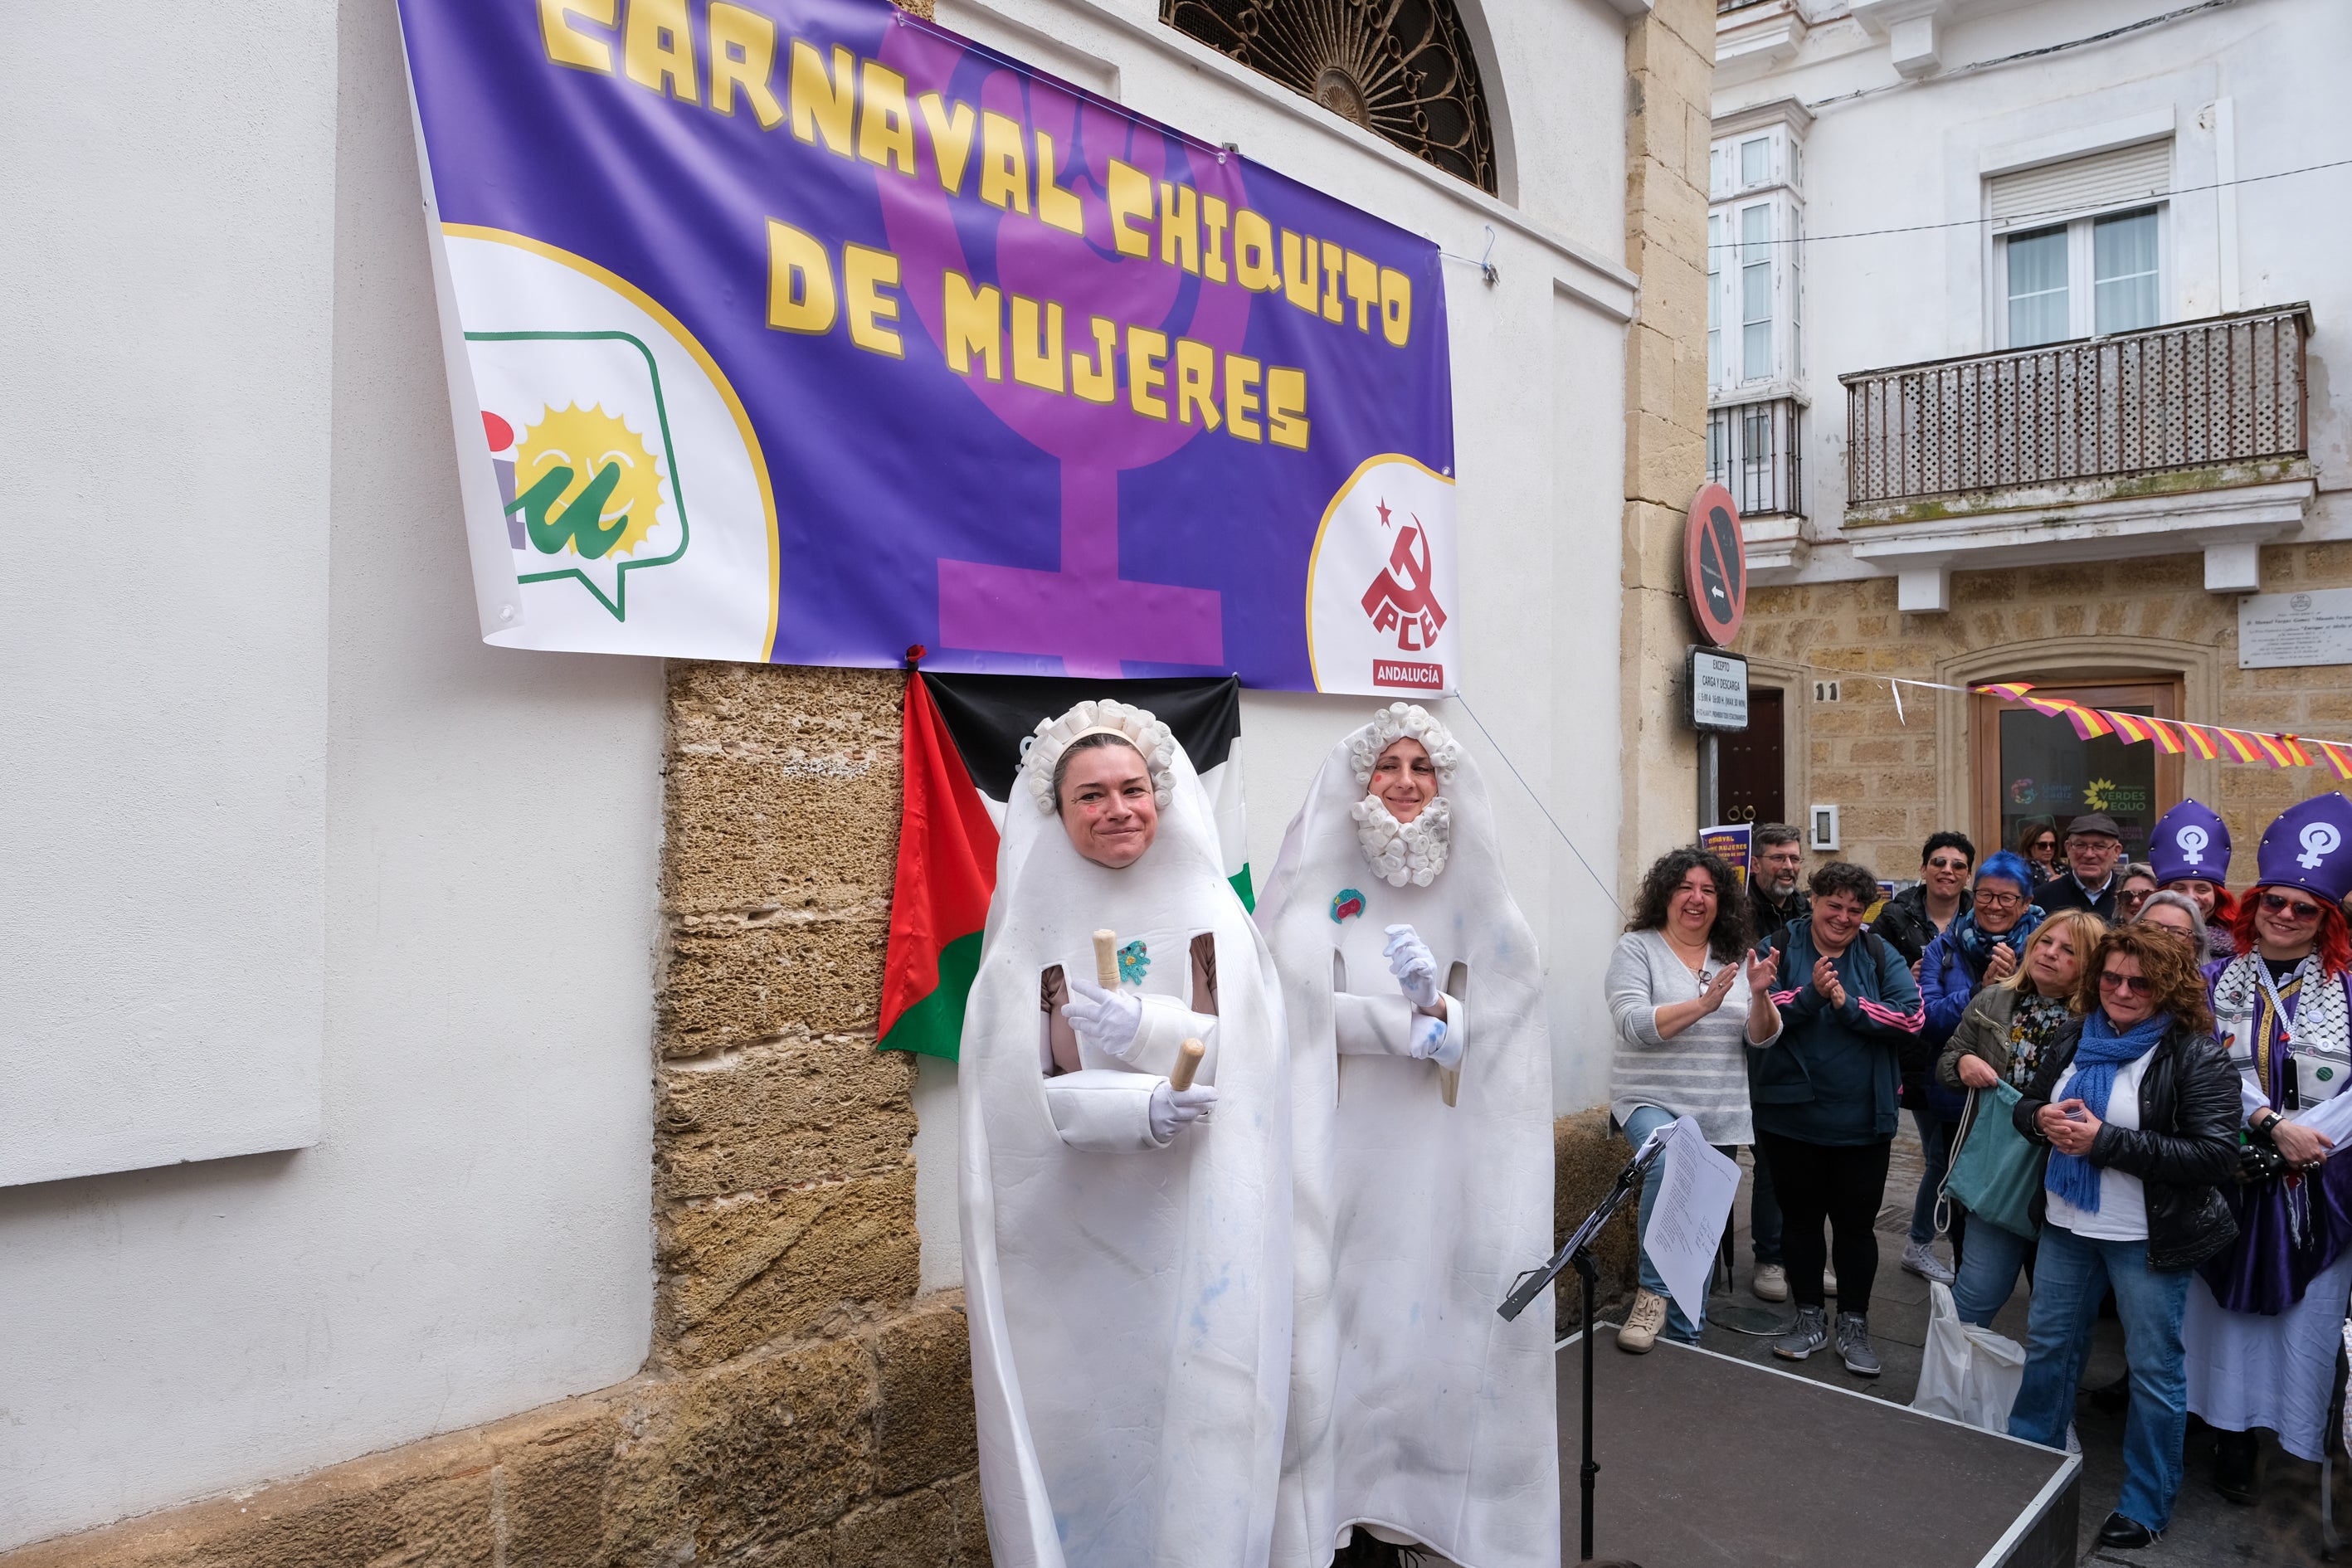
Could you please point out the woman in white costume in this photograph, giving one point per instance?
(1422, 1074)
(2264, 1317)
(1126, 1254)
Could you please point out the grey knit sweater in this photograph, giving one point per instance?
(1702, 1072)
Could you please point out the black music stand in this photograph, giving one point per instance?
(1577, 1252)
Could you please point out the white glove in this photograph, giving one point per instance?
(1103, 1020)
(1432, 1040)
(1174, 1108)
(1414, 966)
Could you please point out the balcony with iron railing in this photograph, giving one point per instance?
(2188, 437)
(1756, 450)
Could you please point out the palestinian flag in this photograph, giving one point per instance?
(963, 748)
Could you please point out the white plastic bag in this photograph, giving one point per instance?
(1966, 1372)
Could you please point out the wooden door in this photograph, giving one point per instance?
(1751, 772)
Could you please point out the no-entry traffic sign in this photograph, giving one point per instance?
(1714, 565)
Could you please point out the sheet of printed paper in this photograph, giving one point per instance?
(1686, 1223)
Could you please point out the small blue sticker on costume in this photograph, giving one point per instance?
(2324, 1074)
(1133, 962)
(1346, 905)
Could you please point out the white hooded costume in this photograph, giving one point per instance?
(1421, 1194)
(1129, 1292)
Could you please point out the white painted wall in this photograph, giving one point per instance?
(470, 1234)
(163, 995)
(1538, 413)
(1913, 155)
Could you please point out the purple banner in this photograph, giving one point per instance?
(805, 330)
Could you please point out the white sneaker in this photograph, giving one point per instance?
(1643, 1324)
(1829, 1280)
(1771, 1282)
(1920, 1259)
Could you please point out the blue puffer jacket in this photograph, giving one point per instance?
(1947, 984)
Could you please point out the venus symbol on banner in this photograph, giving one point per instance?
(1084, 611)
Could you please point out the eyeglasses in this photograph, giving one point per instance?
(2296, 909)
(2138, 984)
(1947, 865)
(1999, 900)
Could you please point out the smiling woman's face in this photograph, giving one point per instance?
(1106, 805)
(1404, 778)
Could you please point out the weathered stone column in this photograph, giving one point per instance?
(1670, 71)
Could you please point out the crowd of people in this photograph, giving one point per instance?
(2146, 1074)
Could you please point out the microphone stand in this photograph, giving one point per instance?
(1577, 1252)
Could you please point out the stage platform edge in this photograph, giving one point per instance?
(1708, 1461)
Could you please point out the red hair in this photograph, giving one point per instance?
(2225, 908)
(2335, 935)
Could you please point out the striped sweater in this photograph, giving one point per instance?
(1836, 1078)
(1702, 1072)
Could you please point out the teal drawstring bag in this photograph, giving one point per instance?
(1993, 1171)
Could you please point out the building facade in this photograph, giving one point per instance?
(2019, 325)
(547, 1200)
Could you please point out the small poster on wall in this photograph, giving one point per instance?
(1733, 841)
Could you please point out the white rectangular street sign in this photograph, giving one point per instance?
(1718, 690)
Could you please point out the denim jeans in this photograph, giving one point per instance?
(1987, 1271)
(1936, 1146)
(2070, 1273)
(1763, 1214)
(1645, 1121)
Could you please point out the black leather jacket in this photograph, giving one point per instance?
(2185, 1145)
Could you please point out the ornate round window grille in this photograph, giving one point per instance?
(1401, 69)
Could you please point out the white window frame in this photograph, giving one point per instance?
(1731, 198)
(2081, 300)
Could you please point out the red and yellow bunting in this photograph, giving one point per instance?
(2177, 737)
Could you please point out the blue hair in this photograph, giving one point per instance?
(2009, 867)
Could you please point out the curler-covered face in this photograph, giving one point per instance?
(1106, 805)
(1405, 779)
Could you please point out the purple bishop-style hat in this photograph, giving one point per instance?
(2310, 846)
(2189, 840)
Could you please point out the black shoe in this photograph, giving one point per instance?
(2113, 1398)
(2233, 1465)
(2124, 1534)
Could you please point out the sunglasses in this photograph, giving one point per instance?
(2137, 984)
(2293, 908)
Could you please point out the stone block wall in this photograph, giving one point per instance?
(1890, 776)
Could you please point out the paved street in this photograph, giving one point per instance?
(2205, 1529)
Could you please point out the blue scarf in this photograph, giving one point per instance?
(2100, 1053)
(1976, 943)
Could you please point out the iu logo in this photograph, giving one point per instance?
(596, 434)
(1380, 583)
(1401, 599)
